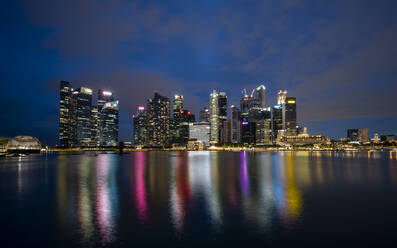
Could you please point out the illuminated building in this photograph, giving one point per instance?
(109, 120)
(376, 138)
(263, 129)
(222, 104)
(358, 135)
(177, 105)
(277, 120)
(248, 132)
(104, 96)
(94, 126)
(23, 144)
(214, 117)
(66, 129)
(245, 103)
(281, 96)
(204, 115)
(289, 116)
(235, 125)
(140, 127)
(227, 132)
(158, 114)
(302, 140)
(261, 95)
(83, 97)
(179, 125)
(388, 138)
(200, 131)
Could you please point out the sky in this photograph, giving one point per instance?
(338, 58)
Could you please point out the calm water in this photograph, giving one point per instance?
(198, 199)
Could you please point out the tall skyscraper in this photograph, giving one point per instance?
(104, 96)
(222, 104)
(235, 125)
(245, 103)
(65, 115)
(94, 126)
(204, 115)
(159, 120)
(277, 120)
(263, 129)
(140, 127)
(177, 105)
(261, 95)
(109, 119)
(214, 117)
(289, 114)
(281, 96)
(83, 115)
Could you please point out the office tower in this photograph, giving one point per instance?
(222, 104)
(227, 132)
(177, 105)
(159, 120)
(185, 118)
(65, 115)
(277, 120)
(204, 115)
(263, 129)
(261, 95)
(245, 103)
(94, 126)
(358, 135)
(248, 132)
(104, 96)
(289, 114)
(140, 127)
(235, 125)
(83, 97)
(281, 96)
(109, 119)
(200, 131)
(214, 117)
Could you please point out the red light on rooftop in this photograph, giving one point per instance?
(181, 111)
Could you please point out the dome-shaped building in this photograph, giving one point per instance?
(24, 144)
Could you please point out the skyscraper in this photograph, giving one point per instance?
(159, 120)
(289, 114)
(204, 114)
(94, 126)
(235, 125)
(214, 117)
(177, 105)
(140, 127)
(245, 103)
(261, 95)
(104, 96)
(222, 104)
(281, 96)
(109, 119)
(65, 115)
(263, 130)
(277, 120)
(83, 115)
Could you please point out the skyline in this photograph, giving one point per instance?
(338, 59)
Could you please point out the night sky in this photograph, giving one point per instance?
(339, 58)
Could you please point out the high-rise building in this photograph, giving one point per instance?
(140, 127)
(204, 115)
(83, 115)
(158, 120)
(177, 105)
(277, 120)
(200, 131)
(227, 132)
(289, 116)
(263, 129)
(94, 126)
(281, 97)
(109, 119)
(222, 104)
(358, 135)
(245, 104)
(376, 138)
(214, 117)
(104, 96)
(235, 125)
(261, 95)
(65, 115)
(248, 132)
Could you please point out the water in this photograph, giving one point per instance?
(199, 199)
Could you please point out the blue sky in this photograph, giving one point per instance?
(339, 58)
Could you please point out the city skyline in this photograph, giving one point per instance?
(337, 58)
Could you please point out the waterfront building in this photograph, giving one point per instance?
(227, 132)
(303, 140)
(277, 120)
(204, 115)
(388, 138)
(289, 115)
(200, 131)
(66, 116)
(263, 129)
(358, 135)
(222, 105)
(248, 132)
(158, 120)
(94, 127)
(235, 125)
(245, 104)
(140, 127)
(24, 144)
(261, 95)
(376, 138)
(104, 96)
(109, 119)
(281, 97)
(177, 105)
(214, 118)
(83, 97)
